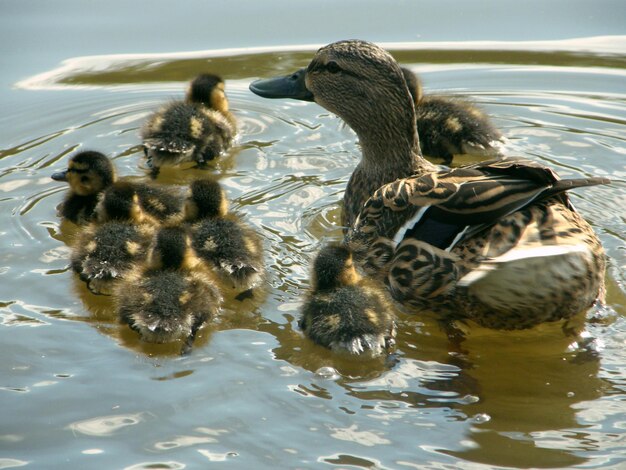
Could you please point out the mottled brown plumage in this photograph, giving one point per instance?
(497, 242)
(344, 311)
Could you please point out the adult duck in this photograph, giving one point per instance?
(497, 242)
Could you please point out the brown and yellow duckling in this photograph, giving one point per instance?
(449, 127)
(114, 244)
(223, 240)
(171, 296)
(198, 129)
(497, 242)
(344, 311)
(89, 173)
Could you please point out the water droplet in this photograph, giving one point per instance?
(328, 373)
(481, 418)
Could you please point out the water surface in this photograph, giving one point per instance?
(79, 390)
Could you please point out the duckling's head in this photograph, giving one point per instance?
(208, 89)
(414, 84)
(207, 199)
(334, 268)
(87, 173)
(172, 249)
(357, 80)
(120, 201)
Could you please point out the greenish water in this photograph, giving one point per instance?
(77, 390)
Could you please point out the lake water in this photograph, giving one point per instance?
(79, 391)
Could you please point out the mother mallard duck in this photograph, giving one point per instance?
(497, 242)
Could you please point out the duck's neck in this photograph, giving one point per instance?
(389, 152)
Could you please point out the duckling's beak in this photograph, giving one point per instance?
(59, 176)
(289, 86)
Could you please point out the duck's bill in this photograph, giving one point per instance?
(59, 176)
(289, 86)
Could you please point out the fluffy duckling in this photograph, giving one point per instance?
(89, 173)
(222, 239)
(497, 242)
(449, 127)
(344, 311)
(172, 295)
(197, 129)
(109, 248)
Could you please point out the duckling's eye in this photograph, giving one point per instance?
(333, 67)
(84, 179)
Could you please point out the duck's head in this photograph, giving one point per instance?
(357, 80)
(120, 201)
(206, 199)
(172, 249)
(87, 173)
(334, 267)
(414, 84)
(208, 89)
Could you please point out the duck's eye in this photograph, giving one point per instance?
(84, 179)
(333, 67)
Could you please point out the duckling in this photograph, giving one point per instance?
(197, 130)
(89, 173)
(109, 248)
(449, 127)
(222, 239)
(172, 295)
(497, 242)
(344, 311)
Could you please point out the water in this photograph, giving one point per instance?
(78, 390)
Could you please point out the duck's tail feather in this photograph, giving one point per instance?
(518, 256)
(567, 184)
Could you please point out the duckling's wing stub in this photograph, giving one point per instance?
(289, 86)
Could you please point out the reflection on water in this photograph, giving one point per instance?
(254, 392)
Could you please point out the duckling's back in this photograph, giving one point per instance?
(449, 127)
(354, 318)
(161, 202)
(183, 131)
(230, 246)
(104, 253)
(159, 300)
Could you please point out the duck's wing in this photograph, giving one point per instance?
(441, 208)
